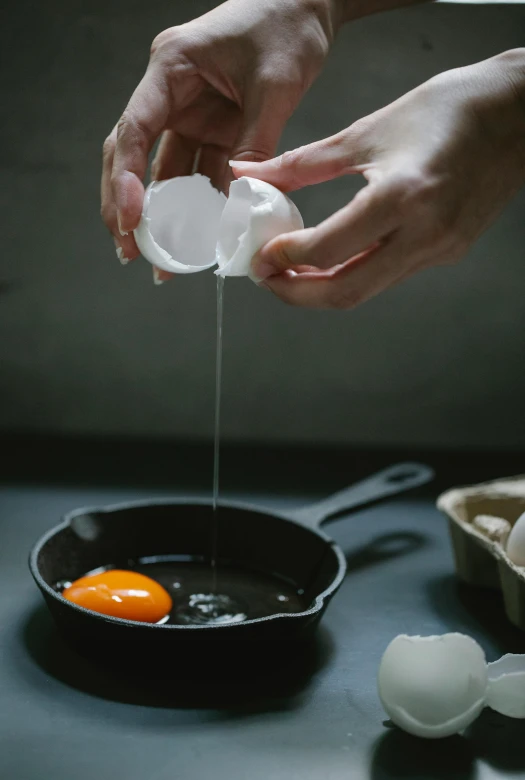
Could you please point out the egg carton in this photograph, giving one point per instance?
(480, 518)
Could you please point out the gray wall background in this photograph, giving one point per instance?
(88, 346)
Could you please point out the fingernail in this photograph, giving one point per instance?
(120, 252)
(262, 269)
(240, 164)
(156, 276)
(121, 256)
(122, 232)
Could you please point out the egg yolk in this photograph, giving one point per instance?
(122, 594)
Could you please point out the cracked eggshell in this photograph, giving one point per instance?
(180, 223)
(506, 688)
(433, 686)
(516, 542)
(497, 529)
(255, 213)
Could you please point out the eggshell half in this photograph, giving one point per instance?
(497, 529)
(433, 686)
(516, 542)
(255, 213)
(180, 224)
(506, 688)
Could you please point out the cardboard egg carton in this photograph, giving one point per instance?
(480, 518)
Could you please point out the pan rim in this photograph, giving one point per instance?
(121, 506)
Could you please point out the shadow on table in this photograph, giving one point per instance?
(478, 612)
(399, 755)
(494, 739)
(499, 741)
(382, 548)
(256, 685)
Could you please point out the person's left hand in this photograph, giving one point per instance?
(220, 86)
(441, 163)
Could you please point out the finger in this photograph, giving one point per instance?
(160, 276)
(368, 219)
(338, 155)
(349, 285)
(265, 114)
(142, 122)
(174, 157)
(125, 246)
(213, 162)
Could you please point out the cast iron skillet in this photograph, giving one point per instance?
(289, 544)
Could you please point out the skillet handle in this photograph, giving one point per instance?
(389, 482)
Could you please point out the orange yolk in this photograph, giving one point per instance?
(122, 594)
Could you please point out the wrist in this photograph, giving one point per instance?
(329, 12)
(506, 104)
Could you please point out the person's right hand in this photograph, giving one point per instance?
(223, 85)
(441, 163)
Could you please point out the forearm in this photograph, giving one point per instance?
(355, 9)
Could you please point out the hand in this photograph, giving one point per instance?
(440, 163)
(224, 85)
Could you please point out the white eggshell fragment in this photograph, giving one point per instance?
(506, 688)
(180, 223)
(255, 213)
(516, 542)
(433, 686)
(494, 528)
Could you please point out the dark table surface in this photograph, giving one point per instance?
(63, 718)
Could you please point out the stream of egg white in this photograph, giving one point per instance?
(217, 433)
(214, 607)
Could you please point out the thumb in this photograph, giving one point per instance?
(289, 251)
(311, 164)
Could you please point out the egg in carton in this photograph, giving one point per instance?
(487, 527)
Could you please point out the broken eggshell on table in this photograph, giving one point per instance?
(188, 226)
(436, 686)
